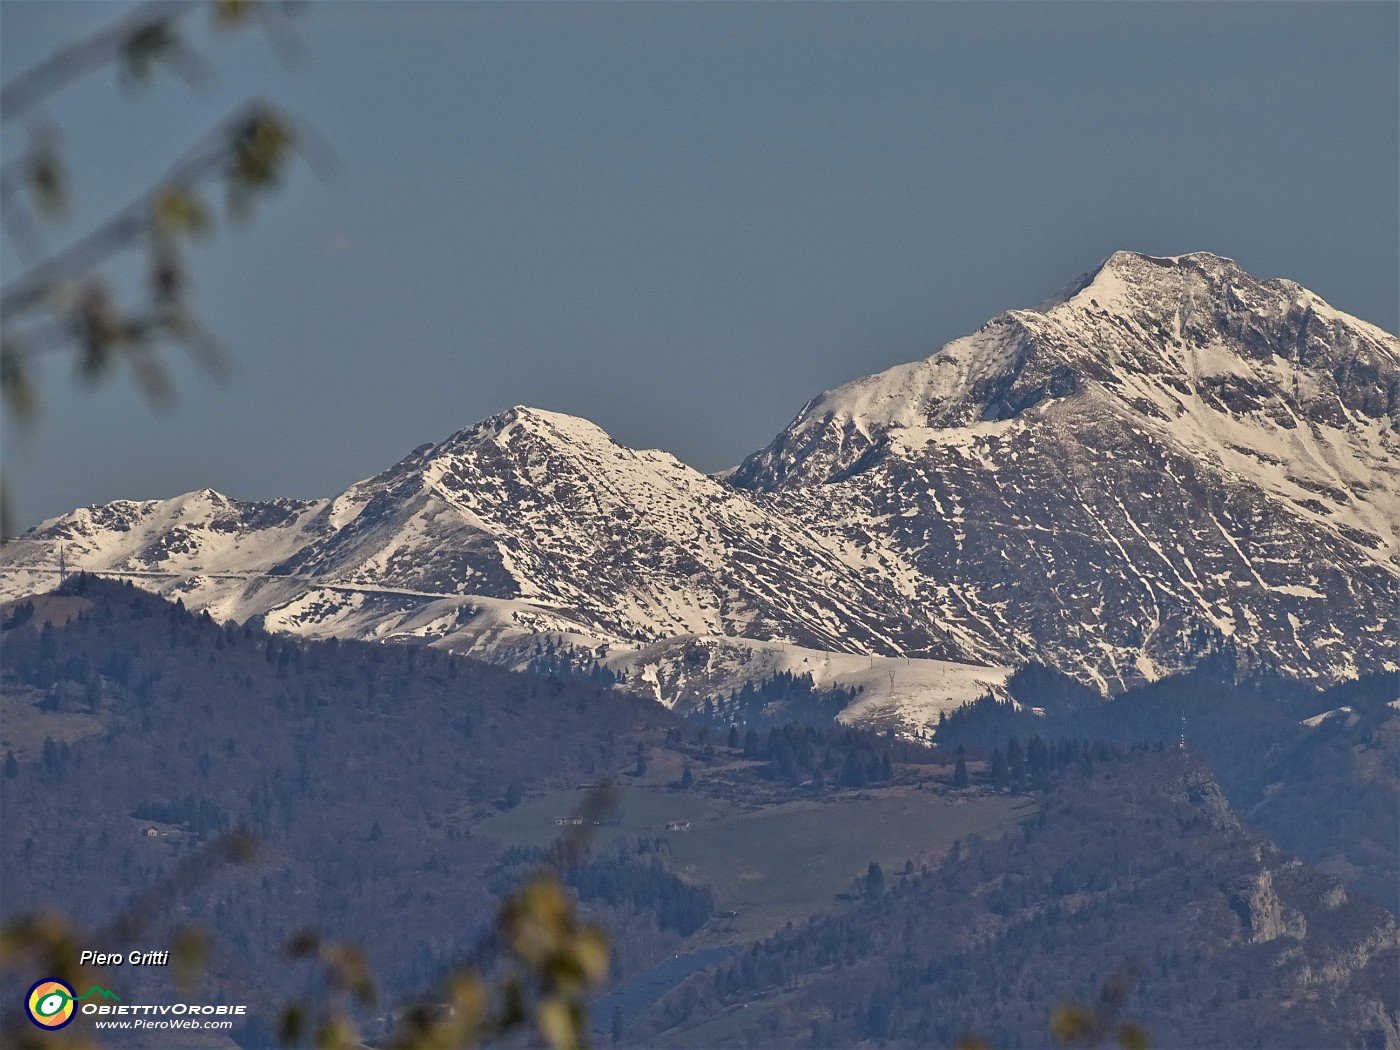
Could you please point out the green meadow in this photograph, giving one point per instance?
(776, 863)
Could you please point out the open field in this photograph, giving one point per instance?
(783, 862)
(26, 725)
(643, 812)
(787, 862)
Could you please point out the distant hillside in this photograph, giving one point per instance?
(135, 730)
(360, 766)
(1316, 770)
(1135, 861)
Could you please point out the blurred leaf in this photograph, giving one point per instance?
(303, 943)
(146, 44)
(336, 1033)
(37, 934)
(232, 14)
(1133, 1037)
(291, 1024)
(561, 1023)
(47, 180)
(258, 148)
(167, 274)
(535, 920)
(188, 952)
(176, 209)
(591, 948)
(99, 329)
(512, 1002)
(348, 969)
(1074, 1023)
(972, 1041)
(468, 994)
(16, 387)
(240, 846)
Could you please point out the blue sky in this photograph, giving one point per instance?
(684, 220)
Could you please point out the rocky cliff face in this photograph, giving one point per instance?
(1264, 916)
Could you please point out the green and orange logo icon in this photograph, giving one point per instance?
(52, 1004)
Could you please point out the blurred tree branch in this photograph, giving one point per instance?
(64, 302)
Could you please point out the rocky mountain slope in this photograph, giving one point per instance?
(1166, 455)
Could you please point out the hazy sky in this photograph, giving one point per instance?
(682, 221)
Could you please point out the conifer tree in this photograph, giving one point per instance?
(1001, 773)
(874, 880)
(960, 775)
(1038, 762)
(1016, 761)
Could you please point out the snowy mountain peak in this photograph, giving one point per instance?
(505, 428)
(1195, 327)
(1168, 458)
(556, 424)
(1170, 449)
(1205, 289)
(1124, 270)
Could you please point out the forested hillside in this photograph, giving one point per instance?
(135, 731)
(397, 786)
(1135, 866)
(1316, 770)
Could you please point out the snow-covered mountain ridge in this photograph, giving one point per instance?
(1167, 454)
(528, 524)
